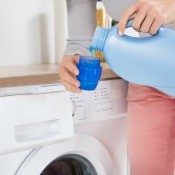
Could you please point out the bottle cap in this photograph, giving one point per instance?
(90, 72)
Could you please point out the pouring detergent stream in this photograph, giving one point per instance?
(145, 61)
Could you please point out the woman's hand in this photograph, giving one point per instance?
(68, 72)
(149, 15)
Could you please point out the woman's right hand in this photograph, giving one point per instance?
(68, 72)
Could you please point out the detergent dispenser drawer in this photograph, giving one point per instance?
(31, 120)
(37, 131)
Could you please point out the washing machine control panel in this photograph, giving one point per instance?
(106, 102)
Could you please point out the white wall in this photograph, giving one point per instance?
(60, 28)
(28, 32)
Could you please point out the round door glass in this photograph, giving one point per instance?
(70, 165)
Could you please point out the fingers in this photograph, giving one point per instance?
(71, 67)
(138, 20)
(68, 72)
(69, 64)
(125, 17)
(69, 77)
(155, 26)
(147, 23)
(70, 87)
(72, 80)
(149, 16)
(69, 81)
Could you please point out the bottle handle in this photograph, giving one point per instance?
(129, 24)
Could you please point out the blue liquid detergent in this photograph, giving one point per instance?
(145, 61)
(90, 72)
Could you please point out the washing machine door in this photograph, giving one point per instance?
(81, 155)
(30, 120)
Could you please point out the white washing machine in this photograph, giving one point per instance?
(39, 136)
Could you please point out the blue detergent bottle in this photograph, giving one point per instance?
(146, 61)
(89, 72)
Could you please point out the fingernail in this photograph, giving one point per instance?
(77, 84)
(120, 32)
(76, 72)
(78, 91)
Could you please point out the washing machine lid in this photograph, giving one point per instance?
(83, 145)
(28, 120)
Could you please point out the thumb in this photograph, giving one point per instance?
(127, 14)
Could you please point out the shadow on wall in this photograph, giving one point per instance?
(60, 28)
(27, 32)
(43, 39)
(38, 37)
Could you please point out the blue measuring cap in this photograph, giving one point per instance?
(90, 72)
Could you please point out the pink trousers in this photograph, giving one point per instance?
(151, 131)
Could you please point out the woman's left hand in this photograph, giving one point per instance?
(149, 15)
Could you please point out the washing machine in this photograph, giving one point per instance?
(45, 130)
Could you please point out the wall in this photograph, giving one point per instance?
(31, 31)
(60, 29)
